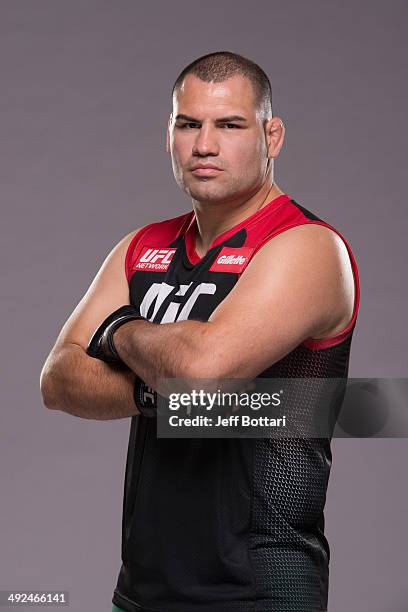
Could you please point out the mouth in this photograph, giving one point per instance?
(206, 171)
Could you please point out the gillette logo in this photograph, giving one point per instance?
(231, 259)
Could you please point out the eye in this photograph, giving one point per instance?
(185, 125)
(231, 125)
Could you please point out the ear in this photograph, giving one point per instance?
(275, 135)
(168, 133)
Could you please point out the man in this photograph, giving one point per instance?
(249, 283)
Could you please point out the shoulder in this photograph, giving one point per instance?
(319, 243)
(165, 228)
(313, 261)
(159, 234)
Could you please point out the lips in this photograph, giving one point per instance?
(205, 166)
(205, 170)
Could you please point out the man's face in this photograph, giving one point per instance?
(217, 124)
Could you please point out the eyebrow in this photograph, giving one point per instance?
(228, 119)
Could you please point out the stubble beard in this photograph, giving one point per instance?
(207, 190)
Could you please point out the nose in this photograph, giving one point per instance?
(206, 141)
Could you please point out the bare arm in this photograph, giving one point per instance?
(85, 387)
(71, 380)
(299, 285)
(167, 350)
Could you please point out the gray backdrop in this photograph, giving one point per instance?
(85, 96)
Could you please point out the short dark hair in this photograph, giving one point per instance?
(222, 65)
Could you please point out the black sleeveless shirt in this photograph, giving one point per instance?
(224, 524)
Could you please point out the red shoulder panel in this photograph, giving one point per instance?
(289, 216)
(159, 234)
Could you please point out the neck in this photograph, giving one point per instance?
(215, 219)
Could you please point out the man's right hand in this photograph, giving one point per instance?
(101, 345)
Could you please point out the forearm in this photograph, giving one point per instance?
(168, 350)
(74, 382)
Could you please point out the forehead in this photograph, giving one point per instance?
(235, 94)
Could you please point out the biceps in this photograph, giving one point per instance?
(286, 295)
(108, 291)
(258, 326)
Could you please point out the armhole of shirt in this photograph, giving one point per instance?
(328, 341)
(130, 252)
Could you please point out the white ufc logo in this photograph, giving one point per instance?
(158, 292)
(154, 255)
(148, 395)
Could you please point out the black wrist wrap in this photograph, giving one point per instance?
(101, 345)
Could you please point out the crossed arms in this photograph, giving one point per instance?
(298, 285)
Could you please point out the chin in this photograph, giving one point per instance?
(207, 192)
(207, 197)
